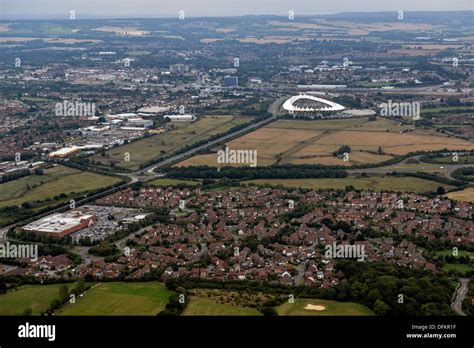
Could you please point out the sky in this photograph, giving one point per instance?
(208, 8)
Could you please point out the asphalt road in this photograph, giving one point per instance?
(459, 296)
(151, 169)
(138, 175)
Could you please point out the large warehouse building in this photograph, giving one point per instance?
(180, 118)
(61, 224)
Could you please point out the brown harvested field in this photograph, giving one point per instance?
(313, 142)
(394, 143)
(200, 160)
(366, 157)
(270, 142)
(466, 195)
(320, 124)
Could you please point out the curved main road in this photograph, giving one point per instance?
(461, 292)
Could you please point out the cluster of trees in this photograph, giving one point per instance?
(467, 304)
(448, 158)
(177, 303)
(457, 259)
(391, 290)
(432, 254)
(286, 171)
(64, 296)
(386, 289)
(55, 249)
(349, 101)
(104, 249)
(464, 174)
(14, 175)
(26, 236)
(342, 150)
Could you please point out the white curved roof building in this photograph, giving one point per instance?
(330, 106)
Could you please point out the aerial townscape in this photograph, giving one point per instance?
(286, 164)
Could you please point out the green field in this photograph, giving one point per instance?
(460, 253)
(184, 134)
(172, 182)
(36, 297)
(120, 298)
(331, 308)
(461, 268)
(198, 306)
(447, 109)
(53, 182)
(376, 183)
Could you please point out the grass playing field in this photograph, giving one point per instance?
(376, 183)
(120, 298)
(53, 182)
(330, 308)
(36, 297)
(198, 306)
(313, 142)
(184, 133)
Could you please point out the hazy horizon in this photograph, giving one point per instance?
(32, 9)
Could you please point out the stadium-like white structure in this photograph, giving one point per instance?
(292, 109)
